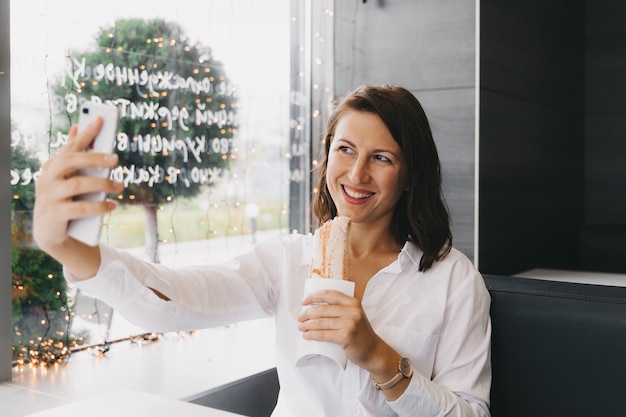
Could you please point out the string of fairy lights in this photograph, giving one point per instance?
(55, 346)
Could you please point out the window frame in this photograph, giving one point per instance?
(5, 191)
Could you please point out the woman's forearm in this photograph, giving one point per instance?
(82, 260)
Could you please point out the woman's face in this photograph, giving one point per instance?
(366, 172)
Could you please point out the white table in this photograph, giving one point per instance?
(178, 367)
(584, 277)
(131, 403)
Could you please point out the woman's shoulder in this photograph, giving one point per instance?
(453, 259)
(456, 265)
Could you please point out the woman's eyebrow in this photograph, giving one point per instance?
(376, 150)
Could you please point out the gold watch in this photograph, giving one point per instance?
(405, 370)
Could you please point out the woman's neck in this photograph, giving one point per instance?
(366, 241)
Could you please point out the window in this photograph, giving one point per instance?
(210, 149)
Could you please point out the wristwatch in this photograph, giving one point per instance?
(405, 370)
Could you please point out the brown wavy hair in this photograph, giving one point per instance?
(421, 215)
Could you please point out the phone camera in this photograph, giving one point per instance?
(85, 110)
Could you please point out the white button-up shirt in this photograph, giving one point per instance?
(439, 319)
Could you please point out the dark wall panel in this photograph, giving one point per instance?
(530, 185)
(605, 178)
(605, 83)
(533, 50)
(531, 134)
(605, 133)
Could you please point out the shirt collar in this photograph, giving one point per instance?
(410, 253)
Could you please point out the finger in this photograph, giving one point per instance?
(79, 185)
(62, 166)
(322, 311)
(72, 133)
(78, 209)
(80, 141)
(321, 323)
(69, 210)
(321, 335)
(326, 296)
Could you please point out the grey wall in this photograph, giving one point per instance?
(429, 49)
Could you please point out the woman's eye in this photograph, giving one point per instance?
(345, 149)
(382, 158)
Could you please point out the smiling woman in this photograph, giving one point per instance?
(405, 290)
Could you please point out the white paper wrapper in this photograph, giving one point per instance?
(310, 351)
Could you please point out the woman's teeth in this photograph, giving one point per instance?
(357, 195)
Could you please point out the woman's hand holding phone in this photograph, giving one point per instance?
(87, 228)
(61, 189)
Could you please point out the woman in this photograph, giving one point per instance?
(417, 331)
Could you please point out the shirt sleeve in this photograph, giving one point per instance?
(202, 296)
(461, 380)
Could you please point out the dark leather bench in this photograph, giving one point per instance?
(559, 350)
(253, 396)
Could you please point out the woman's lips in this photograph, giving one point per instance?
(356, 194)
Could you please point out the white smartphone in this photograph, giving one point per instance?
(87, 229)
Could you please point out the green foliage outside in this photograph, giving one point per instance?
(41, 309)
(23, 192)
(41, 313)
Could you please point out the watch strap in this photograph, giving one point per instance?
(389, 384)
(402, 373)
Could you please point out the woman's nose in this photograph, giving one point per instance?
(359, 172)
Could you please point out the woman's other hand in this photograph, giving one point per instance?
(338, 318)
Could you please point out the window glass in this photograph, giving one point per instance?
(203, 89)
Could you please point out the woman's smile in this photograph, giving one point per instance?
(356, 194)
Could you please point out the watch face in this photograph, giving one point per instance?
(405, 368)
